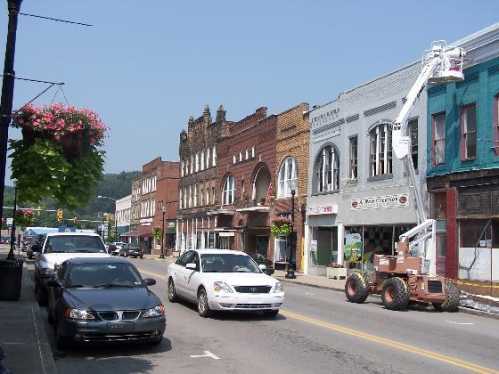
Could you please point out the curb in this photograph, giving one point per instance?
(462, 309)
(45, 350)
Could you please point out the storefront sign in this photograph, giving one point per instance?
(326, 209)
(225, 234)
(146, 221)
(385, 201)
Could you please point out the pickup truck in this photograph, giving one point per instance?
(59, 247)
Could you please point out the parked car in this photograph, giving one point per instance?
(34, 244)
(115, 248)
(103, 300)
(59, 247)
(223, 280)
(268, 267)
(131, 250)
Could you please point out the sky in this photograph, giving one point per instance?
(146, 66)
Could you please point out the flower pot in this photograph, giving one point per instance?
(11, 274)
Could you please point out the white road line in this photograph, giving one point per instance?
(207, 354)
(459, 323)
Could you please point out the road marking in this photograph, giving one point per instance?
(459, 323)
(207, 354)
(390, 343)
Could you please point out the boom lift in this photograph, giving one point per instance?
(411, 275)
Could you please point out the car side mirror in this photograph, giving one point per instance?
(149, 281)
(191, 266)
(262, 267)
(52, 283)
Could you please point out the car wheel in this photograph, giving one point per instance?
(172, 293)
(203, 307)
(156, 341)
(271, 313)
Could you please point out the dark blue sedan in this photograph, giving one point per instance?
(103, 300)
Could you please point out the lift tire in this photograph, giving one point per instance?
(395, 294)
(356, 288)
(451, 303)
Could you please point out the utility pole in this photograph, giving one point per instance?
(14, 7)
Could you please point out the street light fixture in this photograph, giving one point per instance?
(7, 90)
(115, 215)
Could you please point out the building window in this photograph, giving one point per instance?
(213, 195)
(380, 155)
(202, 160)
(413, 134)
(253, 152)
(247, 154)
(214, 156)
(468, 132)
(287, 178)
(207, 195)
(186, 172)
(180, 198)
(240, 156)
(229, 190)
(327, 170)
(195, 195)
(192, 164)
(354, 158)
(197, 163)
(190, 197)
(234, 160)
(495, 118)
(438, 138)
(207, 161)
(181, 168)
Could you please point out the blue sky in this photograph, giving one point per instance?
(146, 66)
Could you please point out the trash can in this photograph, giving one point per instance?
(11, 275)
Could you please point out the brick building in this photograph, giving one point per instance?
(292, 148)
(148, 197)
(198, 186)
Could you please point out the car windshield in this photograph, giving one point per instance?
(103, 275)
(228, 263)
(74, 244)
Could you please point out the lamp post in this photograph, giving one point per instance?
(10, 256)
(7, 90)
(290, 273)
(115, 216)
(162, 255)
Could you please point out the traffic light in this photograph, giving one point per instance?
(59, 215)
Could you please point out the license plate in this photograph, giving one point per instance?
(118, 326)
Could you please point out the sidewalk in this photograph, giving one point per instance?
(312, 280)
(22, 334)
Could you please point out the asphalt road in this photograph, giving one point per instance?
(316, 332)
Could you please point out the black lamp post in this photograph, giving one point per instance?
(7, 90)
(290, 273)
(10, 256)
(162, 255)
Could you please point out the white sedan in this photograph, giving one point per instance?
(223, 280)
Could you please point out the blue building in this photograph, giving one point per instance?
(463, 163)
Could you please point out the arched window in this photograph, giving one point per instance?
(380, 150)
(327, 170)
(229, 191)
(287, 178)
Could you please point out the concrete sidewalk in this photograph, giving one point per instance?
(312, 280)
(22, 334)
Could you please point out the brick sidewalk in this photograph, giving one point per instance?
(22, 333)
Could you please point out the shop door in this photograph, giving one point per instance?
(262, 245)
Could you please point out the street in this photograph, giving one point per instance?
(316, 332)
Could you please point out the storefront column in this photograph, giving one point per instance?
(306, 248)
(452, 255)
(341, 243)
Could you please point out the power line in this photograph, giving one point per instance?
(55, 19)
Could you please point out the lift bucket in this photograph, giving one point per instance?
(451, 66)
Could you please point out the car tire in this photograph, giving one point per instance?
(203, 306)
(395, 294)
(356, 288)
(451, 303)
(156, 341)
(271, 313)
(172, 292)
(40, 295)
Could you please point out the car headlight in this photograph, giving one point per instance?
(278, 287)
(157, 311)
(220, 286)
(79, 314)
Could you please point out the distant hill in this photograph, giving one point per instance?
(115, 186)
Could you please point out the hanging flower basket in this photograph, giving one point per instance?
(76, 130)
(24, 217)
(59, 155)
(280, 228)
